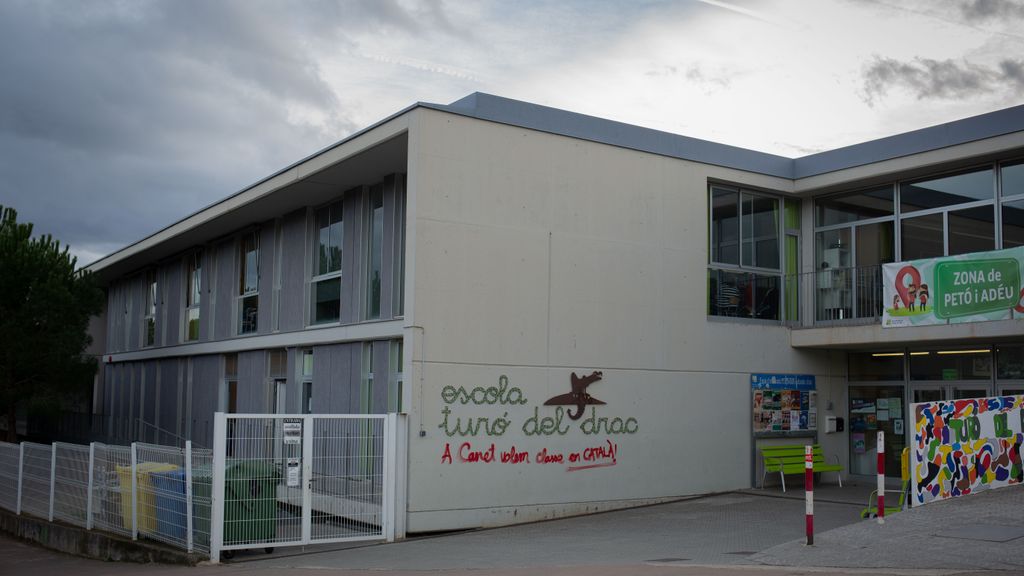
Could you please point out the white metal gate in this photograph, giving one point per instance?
(297, 479)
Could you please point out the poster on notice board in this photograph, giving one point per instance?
(783, 403)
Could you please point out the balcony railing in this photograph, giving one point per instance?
(846, 295)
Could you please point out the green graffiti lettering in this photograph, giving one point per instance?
(537, 426)
(1002, 429)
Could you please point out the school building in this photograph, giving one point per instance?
(575, 314)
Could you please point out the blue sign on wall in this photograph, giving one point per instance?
(782, 381)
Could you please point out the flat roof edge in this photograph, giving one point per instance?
(957, 132)
(115, 256)
(501, 110)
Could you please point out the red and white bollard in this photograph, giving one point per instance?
(881, 477)
(809, 491)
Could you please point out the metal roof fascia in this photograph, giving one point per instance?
(963, 131)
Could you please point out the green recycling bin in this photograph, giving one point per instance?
(202, 481)
(250, 502)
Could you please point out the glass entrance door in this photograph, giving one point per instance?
(935, 392)
(874, 408)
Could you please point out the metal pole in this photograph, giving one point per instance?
(307, 478)
(881, 477)
(88, 495)
(21, 473)
(389, 476)
(135, 493)
(53, 475)
(188, 493)
(217, 490)
(809, 492)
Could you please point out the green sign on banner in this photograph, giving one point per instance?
(964, 288)
(968, 287)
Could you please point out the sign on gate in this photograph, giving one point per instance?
(292, 430)
(301, 479)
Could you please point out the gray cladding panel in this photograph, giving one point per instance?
(206, 382)
(167, 414)
(293, 271)
(252, 382)
(266, 278)
(148, 405)
(169, 318)
(225, 290)
(381, 377)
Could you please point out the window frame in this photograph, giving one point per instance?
(315, 277)
(781, 311)
(244, 294)
(151, 291)
(193, 295)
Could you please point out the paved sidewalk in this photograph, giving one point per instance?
(748, 533)
(981, 531)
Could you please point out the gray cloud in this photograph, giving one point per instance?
(940, 79)
(117, 118)
(982, 10)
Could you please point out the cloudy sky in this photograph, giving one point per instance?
(118, 118)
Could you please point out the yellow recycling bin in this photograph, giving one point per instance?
(146, 500)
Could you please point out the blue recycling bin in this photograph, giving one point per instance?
(169, 489)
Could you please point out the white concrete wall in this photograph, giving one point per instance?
(537, 256)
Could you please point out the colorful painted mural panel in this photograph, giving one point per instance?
(965, 446)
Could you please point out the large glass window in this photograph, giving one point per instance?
(947, 191)
(922, 237)
(1013, 224)
(853, 207)
(149, 320)
(1010, 362)
(375, 242)
(745, 279)
(1012, 176)
(326, 282)
(971, 230)
(968, 364)
(248, 283)
(193, 294)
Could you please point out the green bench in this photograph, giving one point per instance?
(789, 459)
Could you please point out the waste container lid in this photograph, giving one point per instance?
(252, 469)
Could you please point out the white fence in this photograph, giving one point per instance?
(159, 492)
(271, 480)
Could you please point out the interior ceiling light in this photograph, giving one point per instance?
(979, 351)
(920, 353)
(881, 354)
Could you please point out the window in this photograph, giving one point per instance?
(747, 253)
(854, 236)
(248, 283)
(375, 242)
(193, 294)
(327, 254)
(959, 215)
(149, 320)
(306, 377)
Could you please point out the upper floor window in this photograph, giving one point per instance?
(248, 283)
(375, 242)
(193, 294)
(750, 241)
(149, 320)
(327, 253)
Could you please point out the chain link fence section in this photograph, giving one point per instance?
(112, 501)
(71, 483)
(10, 471)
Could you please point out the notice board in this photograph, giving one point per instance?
(783, 403)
